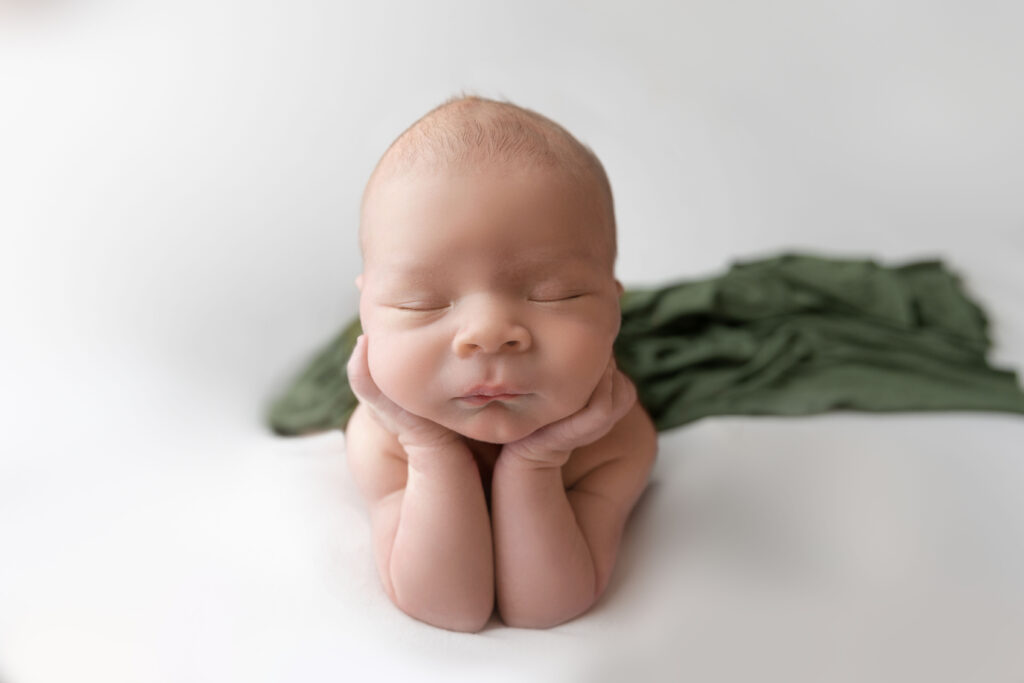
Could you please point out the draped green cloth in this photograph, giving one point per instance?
(795, 334)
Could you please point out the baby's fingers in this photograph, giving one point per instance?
(624, 395)
(612, 399)
(595, 418)
(600, 402)
(604, 394)
(361, 382)
(358, 369)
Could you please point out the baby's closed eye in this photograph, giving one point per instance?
(559, 289)
(423, 306)
(553, 296)
(434, 307)
(543, 293)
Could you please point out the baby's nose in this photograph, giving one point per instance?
(490, 332)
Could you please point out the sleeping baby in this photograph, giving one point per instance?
(498, 446)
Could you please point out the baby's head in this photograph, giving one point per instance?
(488, 240)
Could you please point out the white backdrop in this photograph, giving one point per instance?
(179, 188)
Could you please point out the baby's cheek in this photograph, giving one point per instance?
(391, 369)
(584, 363)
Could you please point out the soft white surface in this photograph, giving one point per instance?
(179, 184)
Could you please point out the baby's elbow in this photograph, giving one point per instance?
(469, 618)
(468, 623)
(532, 621)
(461, 623)
(543, 618)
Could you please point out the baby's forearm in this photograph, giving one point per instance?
(442, 561)
(544, 571)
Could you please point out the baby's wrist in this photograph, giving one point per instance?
(428, 436)
(429, 458)
(534, 459)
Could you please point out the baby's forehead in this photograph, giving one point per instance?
(431, 259)
(423, 263)
(411, 197)
(403, 171)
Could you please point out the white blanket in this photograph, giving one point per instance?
(179, 185)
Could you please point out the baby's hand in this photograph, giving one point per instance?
(411, 430)
(553, 444)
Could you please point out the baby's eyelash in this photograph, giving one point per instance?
(560, 298)
(430, 307)
(423, 308)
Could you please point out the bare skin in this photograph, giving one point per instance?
(499, 448)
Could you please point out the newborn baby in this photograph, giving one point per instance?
(499, 448)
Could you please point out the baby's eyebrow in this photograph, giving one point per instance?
(547, 258)
(556, 260)
(565, 264)
(413, 270)
(410, 273)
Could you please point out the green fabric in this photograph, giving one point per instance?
(795, 334)
(320, 397)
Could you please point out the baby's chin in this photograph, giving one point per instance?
(493, 431)
(493, 426)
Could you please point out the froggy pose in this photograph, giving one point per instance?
(499, 448)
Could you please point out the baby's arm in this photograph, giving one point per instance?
(431, 529)
(555, 549)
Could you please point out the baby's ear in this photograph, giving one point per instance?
(618, 285)
(359, 282)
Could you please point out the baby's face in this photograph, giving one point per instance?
(498, 282)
